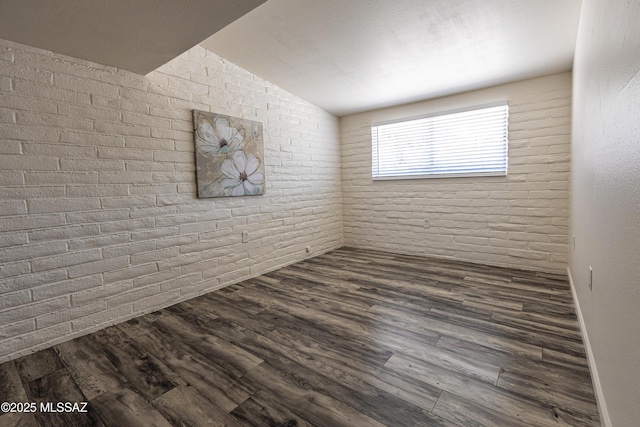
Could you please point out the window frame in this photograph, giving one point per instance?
(375, 150)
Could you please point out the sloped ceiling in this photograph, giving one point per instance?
(135, 35)
(345, 56)
(348, 56)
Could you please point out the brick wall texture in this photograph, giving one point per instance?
(520, 220)
(99, 219)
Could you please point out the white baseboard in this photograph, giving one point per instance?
(595, 379)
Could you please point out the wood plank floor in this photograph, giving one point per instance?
(349, 338)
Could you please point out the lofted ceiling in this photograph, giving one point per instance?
(135, 35)
(345, 56)
(348, 56)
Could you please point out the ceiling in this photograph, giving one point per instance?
(345, 56)
(135, 35)
(348, 56)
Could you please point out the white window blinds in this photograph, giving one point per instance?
(469, 142)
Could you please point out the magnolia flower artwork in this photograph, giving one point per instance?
(229, 155)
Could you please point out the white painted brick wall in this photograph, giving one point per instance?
(517, 221)
(99, 219)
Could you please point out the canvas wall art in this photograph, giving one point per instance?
(229, 155)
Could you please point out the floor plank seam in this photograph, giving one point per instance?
(350, 337)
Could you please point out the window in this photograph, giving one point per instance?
(467, 142)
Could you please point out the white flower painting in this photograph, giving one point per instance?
(242, 174)
(229, 155)
(218, 137)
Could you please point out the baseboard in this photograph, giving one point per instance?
(95, 328)
(595, 379)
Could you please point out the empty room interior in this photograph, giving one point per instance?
(329, 213)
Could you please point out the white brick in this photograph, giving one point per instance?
(106, 317)
(59, 317)
(128, 201)
(100, 293)
(119, 104)
(70, 177)
(25, 103)
(156, 212)
(182, 125)
(128, 249)
(91, 165)
(83, 85)
(98, 241)
(96, 216)
(129, 273)
(150, 166)
(388, 214)
(134, 295)
(13, 207)
(185, 284)
(173, 156)
(157, 301)
(62, 205)
(97, 190)
(159, 277)
(157, 255)
(187, 86)
(91, 138)
(36, 340)
(28, 252)
(7, 146)
(144, 97)
(99, 167)
(16, 329)
(131, 225)
(176, 241)
(33, 310)
(99, 266)
(171, 113)
(5, 84)
(184, 146)
(65, 287)
(12, 239)
(181, 261)
(149, 143)
(153, 189)
(171, 200)
(121, 128)
(124, 153)
(14, 299)
(53, 120)
(169, 91)
(36, 90)
(125, 178)
(31, 280)
(145, 120)
(173, 177)
(26, 222)
(65, 260)
(11, 177)
(88, 112)
(27, 163)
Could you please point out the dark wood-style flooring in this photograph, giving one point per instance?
(349, 338)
